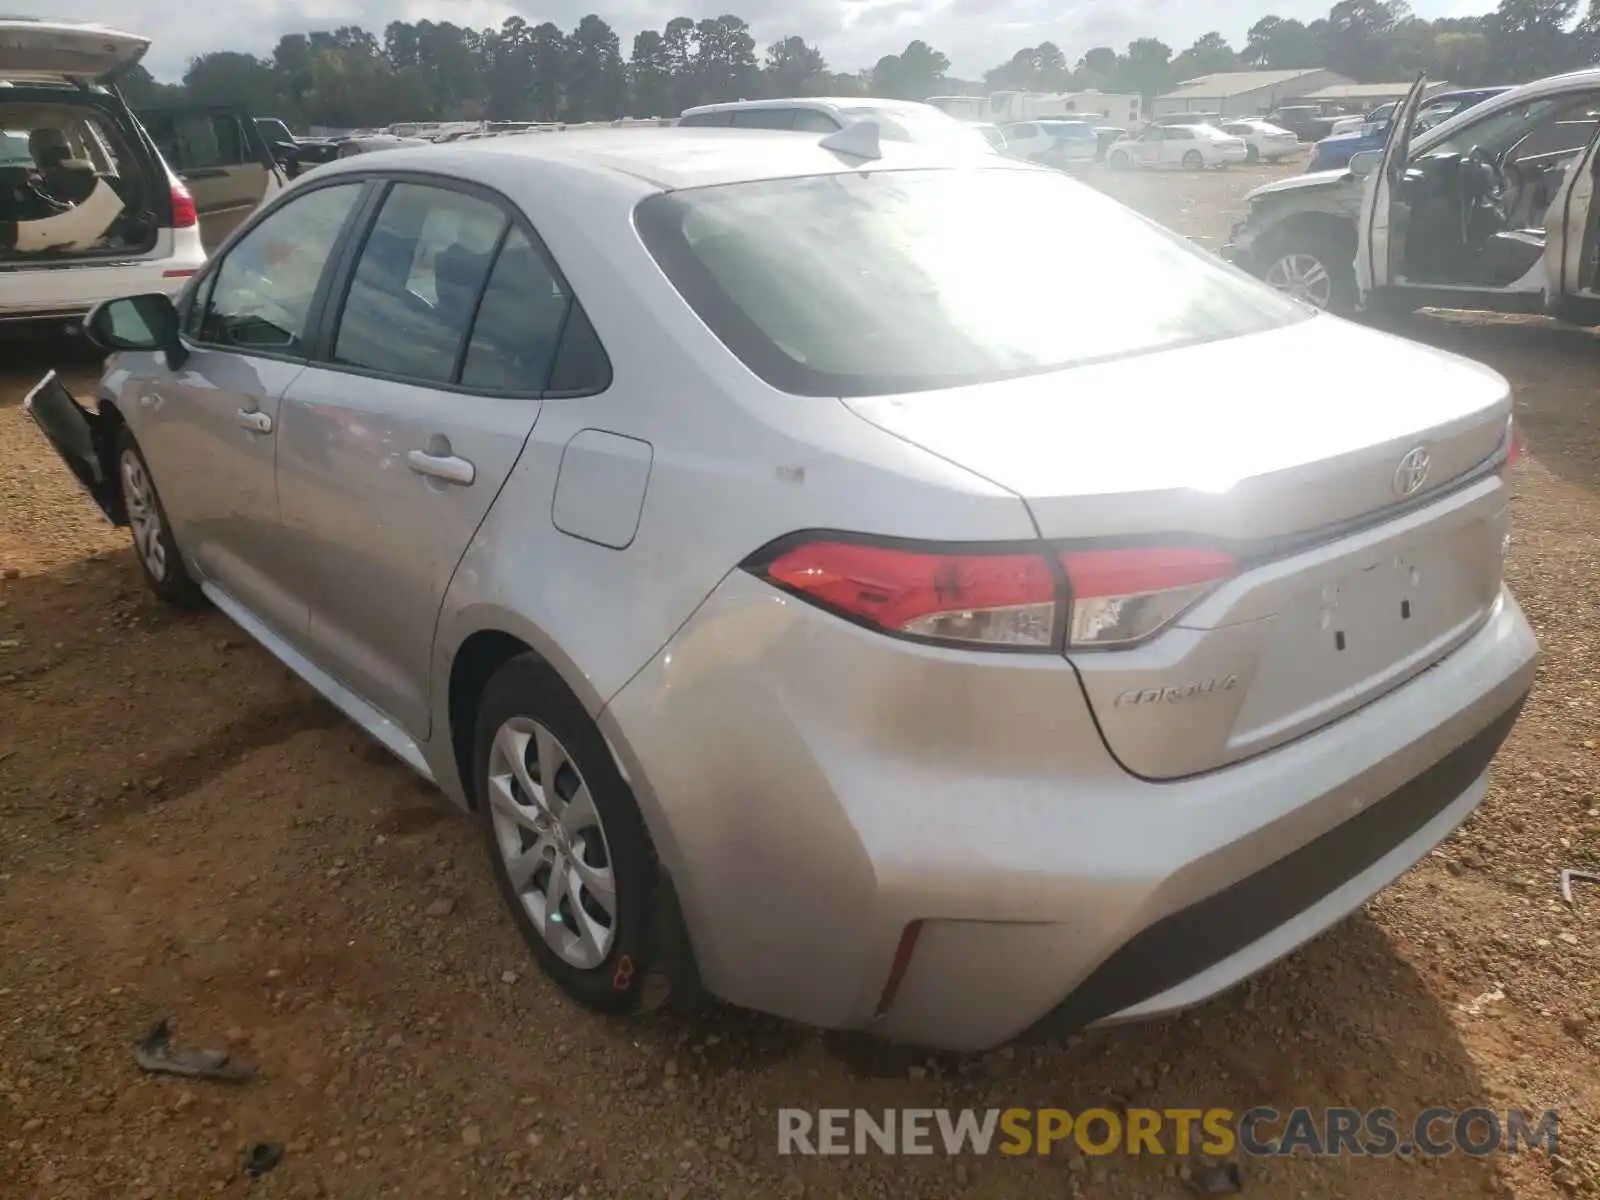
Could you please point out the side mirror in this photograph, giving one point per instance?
(144, 322)
(1365, 163)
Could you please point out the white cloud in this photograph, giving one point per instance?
(974, 34)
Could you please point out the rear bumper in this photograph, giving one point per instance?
(67, 293)
(815, 788)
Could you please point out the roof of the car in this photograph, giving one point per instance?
(1539, 89)
(817, 102)
(666, 159)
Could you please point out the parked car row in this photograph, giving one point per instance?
(1336, 150)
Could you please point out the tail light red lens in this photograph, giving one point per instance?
(1125, 595)
(1111, 598)
(999, 599)
(183, 210)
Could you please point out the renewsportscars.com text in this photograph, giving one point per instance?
(1256, 1132)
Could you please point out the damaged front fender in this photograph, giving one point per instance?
(82, 438)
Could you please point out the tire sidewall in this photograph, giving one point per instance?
(527, 687)
(1341, 269)
(176, 586)
(1193, 160)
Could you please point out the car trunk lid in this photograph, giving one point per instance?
(1364, 551)
(46, 51)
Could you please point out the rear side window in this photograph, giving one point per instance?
(764, 118)
(519, 322)
(417, 282)
(261, 294)
(198, 141)
(710, 118)
(878, 282)
(809, 120)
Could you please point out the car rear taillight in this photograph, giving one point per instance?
(1124, 595)
(1018, 599)
(183, 211)
(993, 599)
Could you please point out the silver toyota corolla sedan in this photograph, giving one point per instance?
(827, 582)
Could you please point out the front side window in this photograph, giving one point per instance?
(261, 293)
(417, 282)
(880, 282)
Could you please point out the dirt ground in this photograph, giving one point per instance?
(187, 832)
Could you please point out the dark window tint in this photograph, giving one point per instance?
(519, 322)
(417, 283)
(898, 281)
(764, 118)
(710, 118)
(809, 120)
(197, 141)
(262, 291)
(581, 364)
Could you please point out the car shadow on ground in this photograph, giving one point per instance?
(235, 852)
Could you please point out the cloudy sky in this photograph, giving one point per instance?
(975, 34)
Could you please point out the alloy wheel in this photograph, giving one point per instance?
(144, 517)
(552, 842)
(1302, 276)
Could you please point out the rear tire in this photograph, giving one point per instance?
(559, 821)
(153, 545)
(1251, 154)
(1193, 160)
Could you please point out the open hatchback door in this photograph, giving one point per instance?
(1381, 241)
(34, 51)
(1570, 240)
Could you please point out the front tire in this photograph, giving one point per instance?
(566, 841)
(159, 559)
(1314, 267)
(1120, 161)
(1251, 154)
(1193, 160)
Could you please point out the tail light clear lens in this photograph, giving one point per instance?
(1122, 596)
(183, 210)
(983, 599)
(1112, 598)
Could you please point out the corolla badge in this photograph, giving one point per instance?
(1412, 472)
(1171, 695)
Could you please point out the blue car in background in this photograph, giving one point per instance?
(1335, 152)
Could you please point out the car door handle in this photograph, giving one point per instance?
(253, 419)
(442, 466)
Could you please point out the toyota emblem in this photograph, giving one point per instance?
(1412, 472)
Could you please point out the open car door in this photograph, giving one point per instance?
(1569, 223)
(223, 160)
(1381, 240)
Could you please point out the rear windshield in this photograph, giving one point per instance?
(900, 281)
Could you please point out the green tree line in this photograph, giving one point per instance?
(427, 70)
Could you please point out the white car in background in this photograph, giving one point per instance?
(1192, 147)
(1262, 139)
(1056, 143)
(897, 120)
(96, 203)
